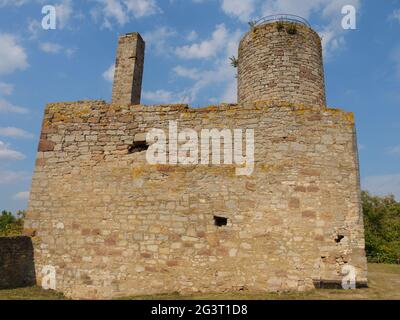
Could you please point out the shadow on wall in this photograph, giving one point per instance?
(17, 267)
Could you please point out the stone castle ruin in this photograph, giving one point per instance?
(108, 223)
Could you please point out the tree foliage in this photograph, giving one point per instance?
(382, 228)
(11, 225)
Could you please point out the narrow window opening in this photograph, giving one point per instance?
(339, 238)
(138, 146)
(220, 221)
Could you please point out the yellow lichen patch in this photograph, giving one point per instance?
(209, 108)
(185, 115)
(334, 110)
(275, 167)
(231, 111)
(226, 170)
(253, 32)
(58, 118)
(349, 116)
(138, 171)
(114, 107)
(345, 116)
(82, 114)
(263, 104)
(301, 111)
(47, 123)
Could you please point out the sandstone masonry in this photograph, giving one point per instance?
(128, 75)
(113, 225)
(277, 65)
(16, 262)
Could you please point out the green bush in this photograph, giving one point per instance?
(234, 61)
(280, 26)
(291, 29)
(11, 225)
(382, 228)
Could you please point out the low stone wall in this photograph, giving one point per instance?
(16, 262)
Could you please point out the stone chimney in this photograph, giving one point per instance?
(128, 76)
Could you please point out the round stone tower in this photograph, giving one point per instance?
(280, 60)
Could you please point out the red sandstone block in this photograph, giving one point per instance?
(46, 145)
(294, 203)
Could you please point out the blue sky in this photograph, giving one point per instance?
(188, 46)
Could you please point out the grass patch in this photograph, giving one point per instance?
(30, 293)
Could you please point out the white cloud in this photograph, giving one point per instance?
(12, 56)
(329, 11)
(70, 52)
(221, 45)
(7, 177)
(17, 3)
(108, 75)
(159, 39)
(221, 72)
(395, 15)
(306, 8)
(192, 36)
(121, 11)
(55, 48)
(230, 93)
(34, 28)
(207, 48)
(8, 154)
(394, 151)
(192, 73)
(15, 133)
(159, 96)
(142, 8)
(114, 9)
(8, 107)
(6, 88)
(331, 41)
(301, 8)
(395, 57)
(64, 11)
(22, 196)
(50, 47)
(241, 9)
(383, 185)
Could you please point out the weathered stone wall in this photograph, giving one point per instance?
(127, 87)
(113, 225)
(16, 262)
(276, 65)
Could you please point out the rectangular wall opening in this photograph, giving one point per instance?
(220, 221)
